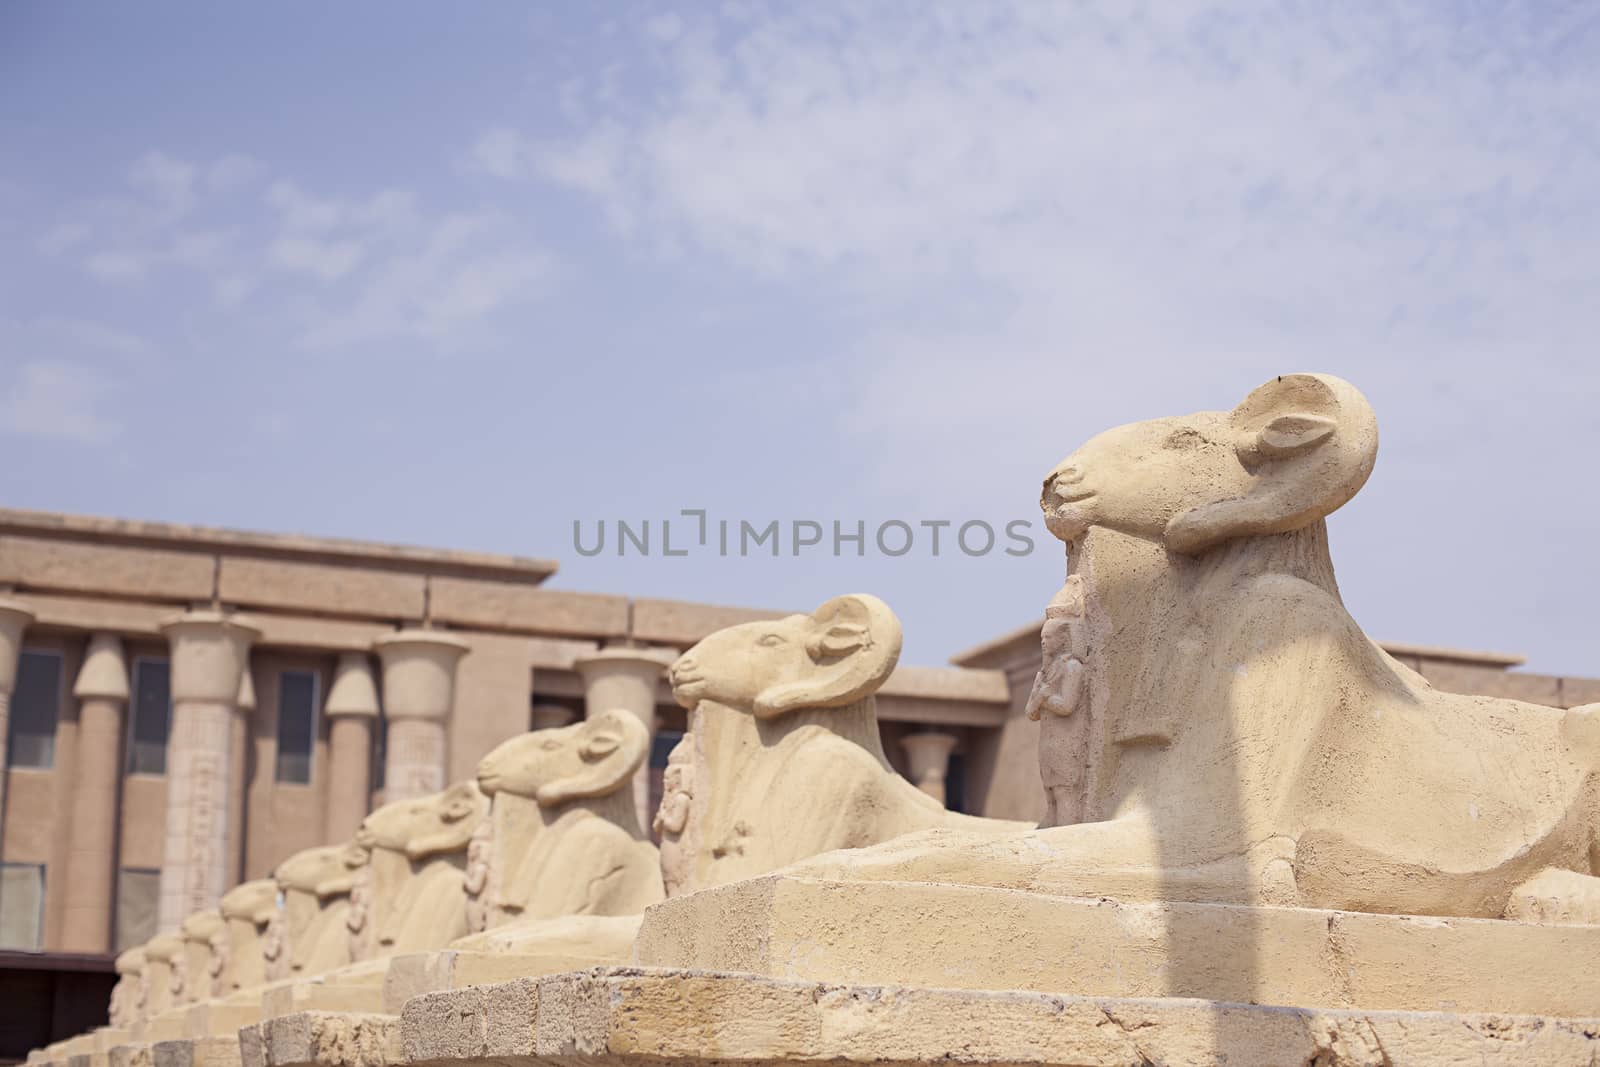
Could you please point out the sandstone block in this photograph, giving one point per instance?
(965, 937)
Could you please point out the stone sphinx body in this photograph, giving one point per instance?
(411, 895)
(126, 996)
(782, 759)
(1217, 728)
(565, 837)
(237, 957)
(194, 976)
(311, 935)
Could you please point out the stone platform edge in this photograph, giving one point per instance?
(630, 1015)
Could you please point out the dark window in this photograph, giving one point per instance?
(955, 783)
(137, 893)
(21, 906)
(297, 725)
(380, 752)
(34, 705)
(152, 716)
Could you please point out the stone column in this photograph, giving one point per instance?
(209, 653)
(102, 693)
(626, 678)
(929, 755)
(352, 711)
(240, 741)
(14, 618)
(419, 680)
(551, 716)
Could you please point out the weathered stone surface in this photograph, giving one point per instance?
(220, 1051)
(634, 1016)
(500, 606)
(338, 590)
(966, 937)
(132, 1054)
(681, 623)
(1469, 679)
(325, 1039)
(78, 567)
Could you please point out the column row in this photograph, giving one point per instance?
(212, 697)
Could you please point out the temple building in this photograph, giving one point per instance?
(183, 708)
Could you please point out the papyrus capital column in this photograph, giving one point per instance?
(626, 678)
(352, 711)
(419, 680)
(929, 755)
(210, 651)
(101, 690)
(14, 619)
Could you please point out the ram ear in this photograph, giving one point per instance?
(460, 808)
(609, 748)
(852, 647)
(1308, 443)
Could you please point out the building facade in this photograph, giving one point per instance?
(188, 707)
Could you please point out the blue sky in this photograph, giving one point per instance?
(459, 276)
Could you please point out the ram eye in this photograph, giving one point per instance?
(1184, 438)
(770, 640)
(551, 745)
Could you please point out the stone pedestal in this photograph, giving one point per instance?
(929, 755)
(626, 678)
(870, 933)
(615, 1017)
(14, 619)
(102, 693)
(419, 673)
(352, 712)
(209, 652)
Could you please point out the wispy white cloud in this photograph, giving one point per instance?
(500, 153)
(57, 401)
(439, 290)
(167, 181)
(327, 261)
(1019, 190)
(94, 336)
(117, 266)
(64, 237)
(302, 211)
(231, 171)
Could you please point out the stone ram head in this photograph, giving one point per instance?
(837, 655)
(1292, 452)
(592, 758)
(428, 825)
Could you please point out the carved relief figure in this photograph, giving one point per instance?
(417, 879)
(567, 839)
(480, 852)
(783, 759)
(1245, 741)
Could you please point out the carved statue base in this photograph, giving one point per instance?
(965, 937)
(550, 946)
(358, 988)
(346, 1039)
(626, 1016)
(217, 1051)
